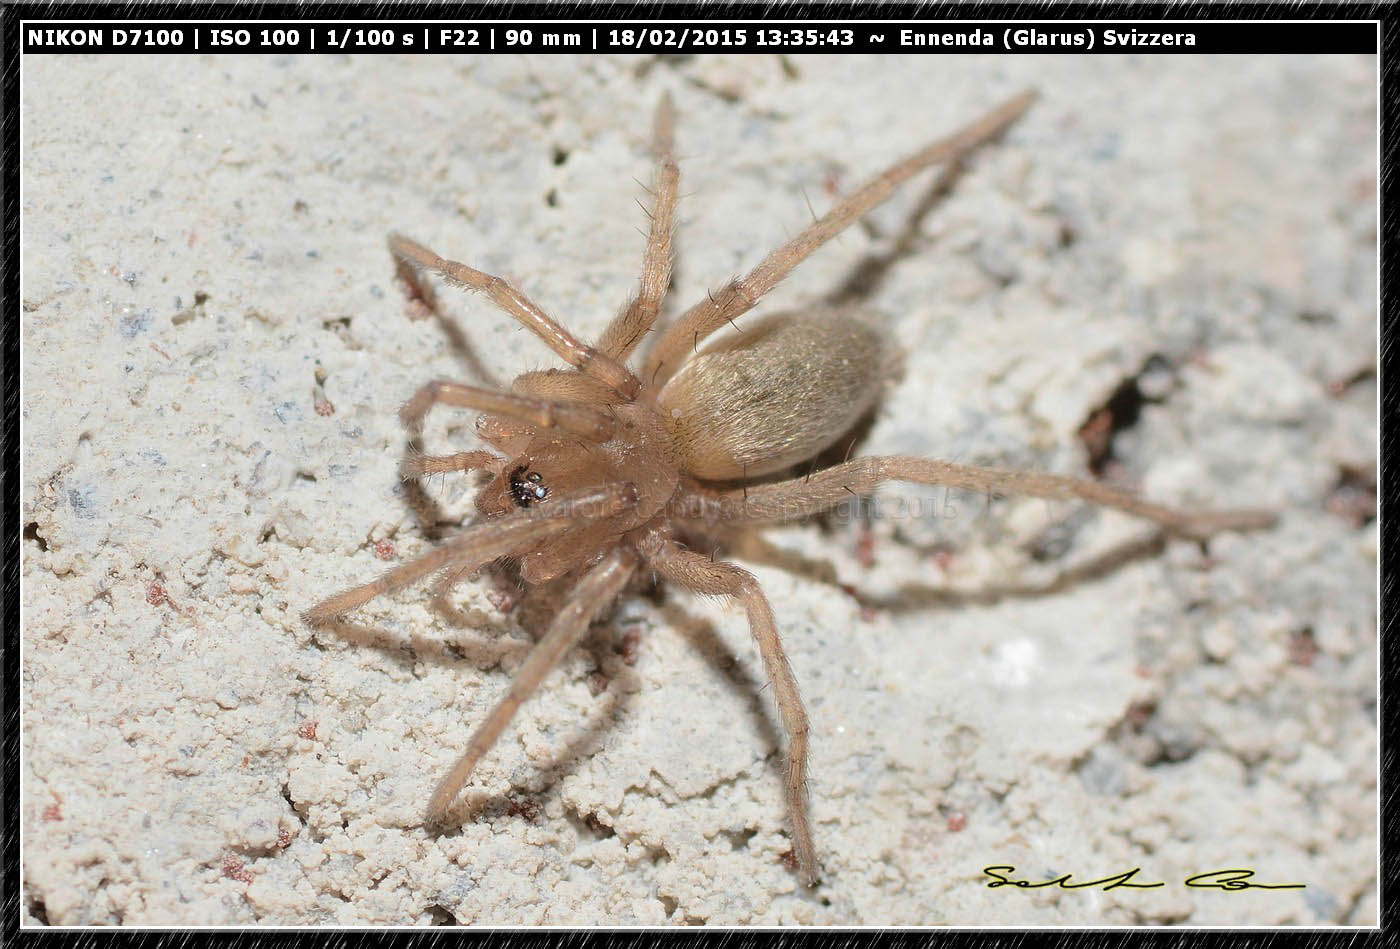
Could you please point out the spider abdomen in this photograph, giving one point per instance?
(773, 395)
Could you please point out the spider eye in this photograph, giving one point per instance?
(527, 487)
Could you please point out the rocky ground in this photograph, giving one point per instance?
(1165, 271)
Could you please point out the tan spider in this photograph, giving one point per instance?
(600, 468)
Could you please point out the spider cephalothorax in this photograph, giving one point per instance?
(597, 471)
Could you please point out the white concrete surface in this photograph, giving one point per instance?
(202, 235)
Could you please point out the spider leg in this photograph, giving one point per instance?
(739, 296)
(422, 299)
(541, 413)
(483, 543)
(420, 466)
(562, 385)
(589, 598)
(789, 500)
(628, 327)
(586, 359)
(717, 578)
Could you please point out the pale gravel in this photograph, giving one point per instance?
(201, 234)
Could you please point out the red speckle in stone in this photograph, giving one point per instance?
(631, 644)
(597, 682)
(956, 821)
(155, 594)
(384, 549)
(865, 549)
(234, 869)
(502, 600)
(523, 807)
(1200, 358)
(52, 812)
(1302, 648)
(1138, 713)
(1097, 436)
(307, 730)
(1354, 498)
(831, 183)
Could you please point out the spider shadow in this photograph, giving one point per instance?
(871, 272)
(915, 597)
(584, 741)
(624, 682)
(426, 510)
(702, 635)
(422, 301)
(620, 682)
(482, 653)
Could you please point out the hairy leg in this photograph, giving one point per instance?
(582, 357)
(699, 573)
(594, 592)
(628, 327)
(562, 385)
(507, 435)
(739, 296)
(789, 500)
(483, 543)
(575, 419)
(420, 466)
(422, 299)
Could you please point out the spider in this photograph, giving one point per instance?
(603, 471)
